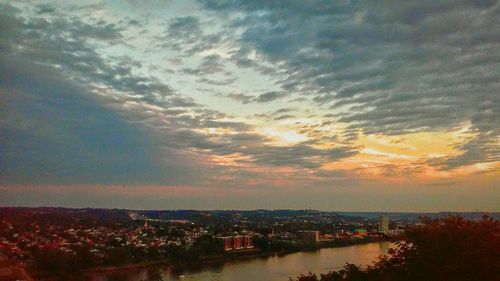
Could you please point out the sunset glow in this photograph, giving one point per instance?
(240, 104)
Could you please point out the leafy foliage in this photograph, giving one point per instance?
(61, 263)
(443, 249)
(204, 246)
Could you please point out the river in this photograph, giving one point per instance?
(273, 268)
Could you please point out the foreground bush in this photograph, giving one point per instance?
(452, 249)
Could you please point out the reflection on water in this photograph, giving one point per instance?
(272, 268)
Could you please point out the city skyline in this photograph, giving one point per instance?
(336, 105)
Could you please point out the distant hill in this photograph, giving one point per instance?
(414, 216)
(113, 215)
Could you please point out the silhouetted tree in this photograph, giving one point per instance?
(67, 264)
(443, 249)
(120, 255)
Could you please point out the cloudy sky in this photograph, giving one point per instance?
(332, 105)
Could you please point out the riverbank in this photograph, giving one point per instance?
(233, 256)
(274, 268)
(207, 261)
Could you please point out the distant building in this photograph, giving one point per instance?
(395, 232)
(237, 242)
(383, 224)
(309, 235)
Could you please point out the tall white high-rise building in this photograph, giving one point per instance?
(383, 224)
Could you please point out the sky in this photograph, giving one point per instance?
(219, 104)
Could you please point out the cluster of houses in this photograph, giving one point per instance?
(21, 244)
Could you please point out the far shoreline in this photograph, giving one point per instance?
(210, 261)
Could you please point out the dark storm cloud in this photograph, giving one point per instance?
(394, 69)
(483, 148)
(269, 96)
(56, 130)
(285, 116)
(301, 155)
(53, 131)
(186, 34)
(209, 65)
(64, 43)
(44, 8)
(252, 146)
(262, 98)
(283, 110)
(213, 82)
(243, 98)
(172, 121)
(183, 30)
(398, 67)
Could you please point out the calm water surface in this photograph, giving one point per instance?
(274, 268)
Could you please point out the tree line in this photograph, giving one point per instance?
(451, 248)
